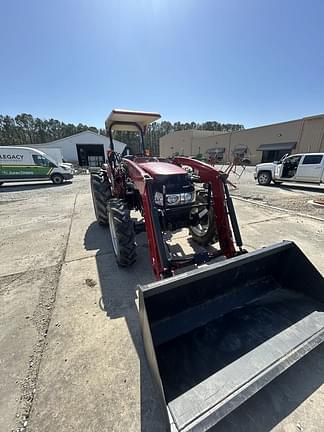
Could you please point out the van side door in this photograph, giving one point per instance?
(310, 168)
(14, 164)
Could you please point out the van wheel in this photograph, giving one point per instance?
(57, 179)
(264, 178)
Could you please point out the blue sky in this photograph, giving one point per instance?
(252, 62)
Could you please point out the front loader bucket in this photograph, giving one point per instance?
(216, 335)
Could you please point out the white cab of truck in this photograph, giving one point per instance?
(28, 164)
(304, 168)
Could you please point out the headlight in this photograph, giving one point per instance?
(187, 197)
(174, 199)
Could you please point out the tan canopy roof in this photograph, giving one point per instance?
(142, 118)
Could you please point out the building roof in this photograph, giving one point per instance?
(77, 134)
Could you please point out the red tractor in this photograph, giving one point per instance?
(216, 335)
(169, 194)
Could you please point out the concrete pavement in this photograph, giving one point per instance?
(91, 373)
(33, 241)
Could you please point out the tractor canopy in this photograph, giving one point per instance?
(128, 120)
(133, 121)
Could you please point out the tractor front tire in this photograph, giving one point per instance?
(101, 193)
(122, 232)
(205, 232)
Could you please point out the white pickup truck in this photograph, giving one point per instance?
(304, 168)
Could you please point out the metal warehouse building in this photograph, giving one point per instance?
(259, 144)
(85, 148)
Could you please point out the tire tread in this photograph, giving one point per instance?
(101, 194)
(125, 233)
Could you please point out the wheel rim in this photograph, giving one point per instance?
(113, 233)
(57, 179)
(202, 227)
(263, 178)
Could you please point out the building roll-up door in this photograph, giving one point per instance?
(275, 151)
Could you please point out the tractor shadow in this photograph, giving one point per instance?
(181, 245)
(118, 300)
(261, 413)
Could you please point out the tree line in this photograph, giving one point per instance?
(26, 129)
(157, 129)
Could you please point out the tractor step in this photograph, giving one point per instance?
(216, 336)
(195, 259)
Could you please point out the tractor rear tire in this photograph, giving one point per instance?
(204, 233)
(122, 232)
(101, 193)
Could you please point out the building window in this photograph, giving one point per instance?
(95, 161)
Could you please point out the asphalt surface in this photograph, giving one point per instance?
(71, 352)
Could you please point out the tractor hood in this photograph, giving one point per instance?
(155, 169)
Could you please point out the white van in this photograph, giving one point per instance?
(29, 164)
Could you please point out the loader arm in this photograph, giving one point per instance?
(162, 266)
(217, 180)
(143, 183)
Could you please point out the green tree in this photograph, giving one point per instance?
(25, 129)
